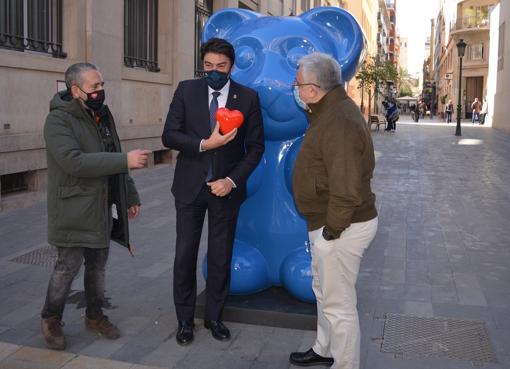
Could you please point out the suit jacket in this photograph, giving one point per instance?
(188, 123)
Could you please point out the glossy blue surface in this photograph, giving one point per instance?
(271, 238)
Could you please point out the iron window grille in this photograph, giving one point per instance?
(29, 25)
(203, 10)
(141, 34)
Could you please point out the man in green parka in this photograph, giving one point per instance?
(90, 197)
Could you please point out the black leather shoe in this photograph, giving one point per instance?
(309, 358)
(218, 329)
(184, 334)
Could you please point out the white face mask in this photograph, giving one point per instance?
(298, 99)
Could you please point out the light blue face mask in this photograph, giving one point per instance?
(298, 99)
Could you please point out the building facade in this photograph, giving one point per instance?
(365, 11)
(470, 21)
(393, 39)
(142, 47)
(403, 60)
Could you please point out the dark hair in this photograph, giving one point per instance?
(218, 46)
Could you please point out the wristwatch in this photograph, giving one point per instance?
(327, 235)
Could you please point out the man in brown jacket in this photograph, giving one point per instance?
(331, 187)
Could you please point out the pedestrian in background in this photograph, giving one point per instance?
(90, 197)
(475, 108)
(484, 111)
(331, 185)
(392, 114)
(448, 110)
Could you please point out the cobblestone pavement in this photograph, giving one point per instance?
(442, 250)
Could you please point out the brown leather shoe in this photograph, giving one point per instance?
(51, 329)
(103, 326)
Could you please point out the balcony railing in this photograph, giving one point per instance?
(470, 22)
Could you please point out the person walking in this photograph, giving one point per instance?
(484, 111)
(448, 109)
(475, 108)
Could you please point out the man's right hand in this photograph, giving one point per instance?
(216, 139)
(137, 159)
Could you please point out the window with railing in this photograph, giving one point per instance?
(472, 17)
(475, 52)
(141, 34)
(203, 10)
(29, 25)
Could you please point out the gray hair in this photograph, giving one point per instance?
(322, 70)
(73, 75)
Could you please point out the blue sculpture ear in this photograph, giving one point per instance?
(221, 23)
(347, 37)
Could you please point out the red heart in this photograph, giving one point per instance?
(229, 119)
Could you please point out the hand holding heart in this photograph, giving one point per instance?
(216, 139)
(229, 119)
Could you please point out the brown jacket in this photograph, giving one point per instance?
(332, 173)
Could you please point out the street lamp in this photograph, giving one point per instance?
(461, 47)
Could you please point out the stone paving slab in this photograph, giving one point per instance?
(442, 250)
(15, 356)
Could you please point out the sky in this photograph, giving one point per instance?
(413, 22)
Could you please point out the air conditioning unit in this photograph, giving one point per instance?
(448, 76)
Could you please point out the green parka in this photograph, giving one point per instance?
(79, 213)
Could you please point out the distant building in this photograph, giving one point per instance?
(365, 11)
(403, 59)
(468, 20)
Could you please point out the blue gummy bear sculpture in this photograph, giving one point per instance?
(271, 245)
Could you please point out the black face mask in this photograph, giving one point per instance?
(216, 79)
(95, 100)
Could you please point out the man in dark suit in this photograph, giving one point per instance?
(210, 175)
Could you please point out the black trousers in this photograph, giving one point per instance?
(67, 266)
(222, 218)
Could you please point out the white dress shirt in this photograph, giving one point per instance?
(222, 98)
(222, 101)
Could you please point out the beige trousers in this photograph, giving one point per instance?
(335, 266)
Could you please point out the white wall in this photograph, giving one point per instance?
(492, 77)
(500, 118)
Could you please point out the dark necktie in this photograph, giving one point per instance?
(212, 120)
(213, 108)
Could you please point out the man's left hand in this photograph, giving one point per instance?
(133, 211)
(221, 187)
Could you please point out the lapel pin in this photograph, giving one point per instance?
(235, 96)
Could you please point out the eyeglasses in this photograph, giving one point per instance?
(304, 84)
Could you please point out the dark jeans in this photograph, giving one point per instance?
(475, 117)
(448, 117)
(68, 264)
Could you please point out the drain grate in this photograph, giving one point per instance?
(410, 336)
(45, 256)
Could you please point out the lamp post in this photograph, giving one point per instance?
(461, 47)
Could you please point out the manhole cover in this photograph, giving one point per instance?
(45, 256)
(410, 336)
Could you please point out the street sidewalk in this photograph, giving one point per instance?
(442, 250)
